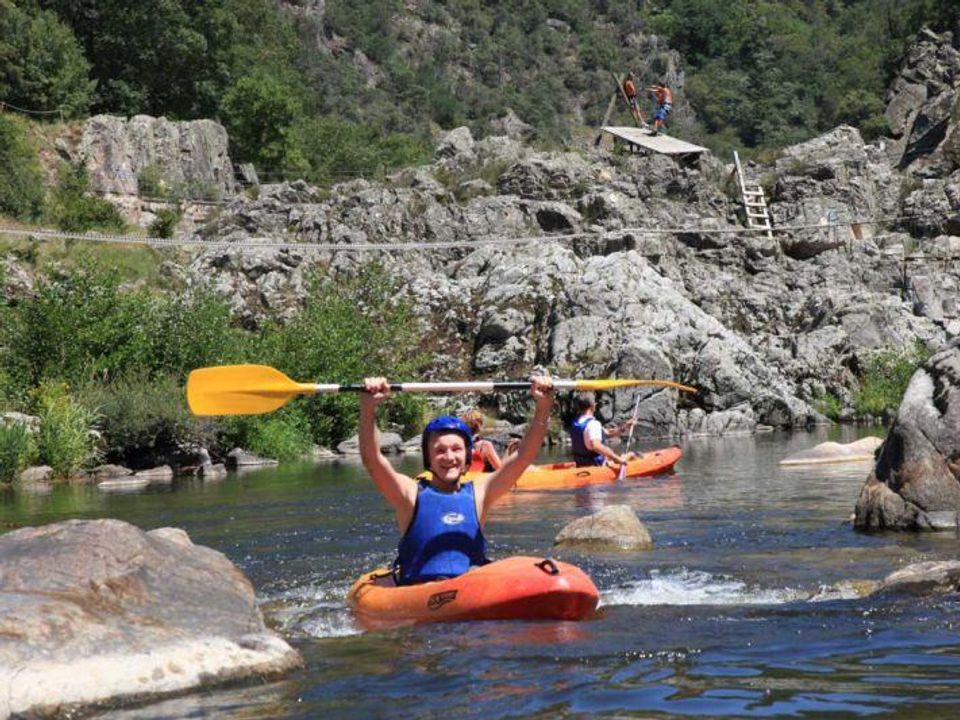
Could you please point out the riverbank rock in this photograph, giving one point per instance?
(390, 443)
(614, 528)
(101, 611)
(831, 452)
(36, 474)
(240, 458)
(918, 467)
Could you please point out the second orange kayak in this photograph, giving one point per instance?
(568, 475)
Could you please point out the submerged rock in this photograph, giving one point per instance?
(97, 611)
(923, 578)
(831, 452)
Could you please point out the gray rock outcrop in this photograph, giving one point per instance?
(189, 156)
(98, 611)
(917, 472)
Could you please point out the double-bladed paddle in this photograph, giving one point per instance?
(623, 467)
(255, 389)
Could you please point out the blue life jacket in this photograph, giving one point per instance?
(444, 538)
(581, 455)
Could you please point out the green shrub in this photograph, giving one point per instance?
(337, 149)
(21, 179)
(73, 209)
(165, 223)
(65, 441)
(17, 450)
(78, 325)
(151, 183)
(137, 414)
(885, 378)
(260, 112)
(284, 435)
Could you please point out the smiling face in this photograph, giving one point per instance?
(448, 456)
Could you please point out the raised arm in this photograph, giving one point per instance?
(496, 484)
(400, 490)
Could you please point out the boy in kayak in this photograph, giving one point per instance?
(589, 437)
(440, 518)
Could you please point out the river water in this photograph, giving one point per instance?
(716, 621)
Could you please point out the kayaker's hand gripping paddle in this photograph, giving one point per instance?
(255, 389)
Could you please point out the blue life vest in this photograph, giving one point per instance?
(444, 538)
(581, 455)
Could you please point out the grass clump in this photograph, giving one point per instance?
(828, 405)
(17, 450)
(66, 441)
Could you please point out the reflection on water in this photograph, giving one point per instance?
(715, 621)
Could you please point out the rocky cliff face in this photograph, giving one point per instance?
(600, 263)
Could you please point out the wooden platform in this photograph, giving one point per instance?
(661, 143)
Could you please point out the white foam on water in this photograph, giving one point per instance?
(314, 611)
(681, 586)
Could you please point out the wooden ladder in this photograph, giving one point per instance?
(754, 202)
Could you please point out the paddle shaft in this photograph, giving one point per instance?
(443, 387)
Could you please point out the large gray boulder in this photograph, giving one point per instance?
(95, 611)
(917, 472)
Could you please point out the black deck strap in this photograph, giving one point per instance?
(548, 566)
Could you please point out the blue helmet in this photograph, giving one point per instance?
(445, 424)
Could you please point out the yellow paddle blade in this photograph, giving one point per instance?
(626, 382)
(241, 390)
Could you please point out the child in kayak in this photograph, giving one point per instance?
(441, 518)
(485, 457)
(589, 437)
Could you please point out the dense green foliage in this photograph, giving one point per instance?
(89, 346)
(773, 73)
(362, 87)
(21, 179)
(142, 415)
(349, 329)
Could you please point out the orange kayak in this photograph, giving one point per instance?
(516, 588)
(568, 475)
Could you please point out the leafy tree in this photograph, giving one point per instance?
(146, 56)
(41, 64)
(336, 148)
(260, 113)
